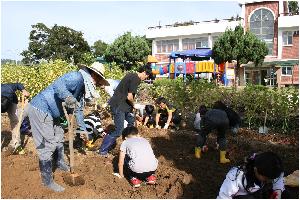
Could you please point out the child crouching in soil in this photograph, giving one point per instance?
(94, 131)
(259, 177)
(146, 119)
(137, 155)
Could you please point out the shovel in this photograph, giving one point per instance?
(72, 179)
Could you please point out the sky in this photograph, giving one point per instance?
(100, 20)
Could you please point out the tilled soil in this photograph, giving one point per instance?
(179, 174)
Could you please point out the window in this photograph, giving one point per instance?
(262, 25)
(286, 70)
(193, 43)
(287, 38)
(167, 46)
(201, 42)
(188, 44)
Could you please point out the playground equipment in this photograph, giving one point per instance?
(194, 62)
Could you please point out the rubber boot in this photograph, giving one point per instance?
(60, 162)
(198, 152)
(107, 143)
(46, 174)
(223, 159)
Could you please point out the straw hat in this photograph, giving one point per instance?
(99, 69)
(151, 59)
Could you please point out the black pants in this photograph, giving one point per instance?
(141, 176)
(176, 119)
(207, 128)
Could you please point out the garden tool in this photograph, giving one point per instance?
(18, 149)
(72, 179)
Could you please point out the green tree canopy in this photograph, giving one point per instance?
(99, 48)
(239, 46)
(293, 7)
(127, 50)
(58, 42)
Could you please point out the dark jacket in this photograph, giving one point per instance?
(9, 90)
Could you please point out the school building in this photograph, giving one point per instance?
(271, 21)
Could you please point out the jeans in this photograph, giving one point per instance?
(119, 118)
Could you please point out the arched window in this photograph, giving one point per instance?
(262, 25)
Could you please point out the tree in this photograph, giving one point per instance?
(58, 42)
(99, 48)
(127, 50)
(239, 46)
(293, 7)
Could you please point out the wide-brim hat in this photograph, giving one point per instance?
(99, 69)
(151, 59)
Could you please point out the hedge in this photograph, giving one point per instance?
(252, 102)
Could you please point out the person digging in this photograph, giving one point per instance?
(45, 111)
(122, 105)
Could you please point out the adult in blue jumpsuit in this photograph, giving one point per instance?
(45, 110)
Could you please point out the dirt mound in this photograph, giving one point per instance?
(179, 174)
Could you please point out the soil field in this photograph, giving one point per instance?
(179, 174)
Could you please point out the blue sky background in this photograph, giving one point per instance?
(104, 20)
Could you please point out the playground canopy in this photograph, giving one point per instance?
(194, 54)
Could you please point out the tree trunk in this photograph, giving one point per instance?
(236, 75)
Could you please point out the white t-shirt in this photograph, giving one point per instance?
(233, 186)
(142, 158)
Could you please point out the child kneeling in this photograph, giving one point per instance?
(137, 155)
(146, 119)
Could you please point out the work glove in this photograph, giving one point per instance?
(104, 105)
(70, 102)
(166, 126)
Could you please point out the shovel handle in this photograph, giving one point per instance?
(70, 119)
(71, 136)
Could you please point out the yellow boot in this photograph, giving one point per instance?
(197, 152)
(223, 159)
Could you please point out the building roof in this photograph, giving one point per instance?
(273, 63)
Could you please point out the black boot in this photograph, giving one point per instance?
(60, 162)
(46, 174)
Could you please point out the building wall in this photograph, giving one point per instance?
(291, 52)
(288, 80)
(274, 7)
